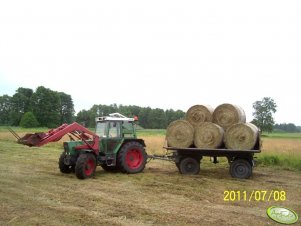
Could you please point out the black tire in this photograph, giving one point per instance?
(62, 166)
(190, 166)
(131, 158)
(85, 166)
(107, 168)
(240, 168)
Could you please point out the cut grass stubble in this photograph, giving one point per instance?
(34, 192)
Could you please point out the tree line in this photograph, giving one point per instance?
(287, 127)
(47, 108)
(42, 107)
(148, 117)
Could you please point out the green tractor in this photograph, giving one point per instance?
(114, 146)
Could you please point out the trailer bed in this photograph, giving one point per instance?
(188, 160)
(212, 151)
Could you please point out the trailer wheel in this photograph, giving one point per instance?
(85, 166)
(62, 166)
(189, 165)
(131, 158)
(109, 168)
(240, 168)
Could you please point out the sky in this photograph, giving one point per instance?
(165, 54)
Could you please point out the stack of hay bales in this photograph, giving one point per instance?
(224, 127)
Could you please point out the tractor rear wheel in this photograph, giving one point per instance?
(85, 166)
(62, 166)
(131, 158)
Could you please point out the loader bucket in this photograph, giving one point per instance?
(31, 139)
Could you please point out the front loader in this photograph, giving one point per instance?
(114, 146)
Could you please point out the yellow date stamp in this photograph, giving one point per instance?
(254, 195)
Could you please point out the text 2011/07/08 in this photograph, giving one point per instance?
(254, 195)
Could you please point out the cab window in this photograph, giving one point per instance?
(114, 129)
(101, 129)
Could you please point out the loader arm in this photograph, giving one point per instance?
(53, 135)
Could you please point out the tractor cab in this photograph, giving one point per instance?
(113, 131)
(115, 126)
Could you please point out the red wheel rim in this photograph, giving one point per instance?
(89, 167)
(134, 158)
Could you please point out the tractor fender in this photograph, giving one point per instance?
(141, 141)
(84, 151)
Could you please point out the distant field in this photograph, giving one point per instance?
(151, 132)
(282, 135)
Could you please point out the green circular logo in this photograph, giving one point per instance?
(282, 215)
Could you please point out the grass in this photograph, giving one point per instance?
(151, 132)
(34, 192)
(282, 161)
(284, 152)
(282, 135)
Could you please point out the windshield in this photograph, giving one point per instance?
(101, 129)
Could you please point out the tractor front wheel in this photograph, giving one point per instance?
(132, 158)
(62, 166)
(85, 166)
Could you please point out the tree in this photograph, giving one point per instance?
(172, 115)
(5, 108)
(20, 103)
(46, 107)
(157, 119)
(66, 108)
(263, 114)
(144, 117)
(83, 117)
(28, 120)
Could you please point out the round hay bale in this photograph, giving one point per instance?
(179, 133)
(225, 115)
(242, 136)
(198, 114)
(208, 135)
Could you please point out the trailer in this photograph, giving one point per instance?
(188, 160)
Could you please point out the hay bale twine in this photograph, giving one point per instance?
(198, 114)
(225, 115)
(180, 134)
(242, 136)
(208, 135)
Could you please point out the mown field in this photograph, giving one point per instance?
(34, 192)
